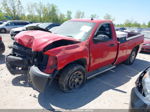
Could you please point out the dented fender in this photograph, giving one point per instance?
(70, 53)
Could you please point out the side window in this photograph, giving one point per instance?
(21, 23)
(24, 23)
(10, 24)
(105, 29)
(16, 23)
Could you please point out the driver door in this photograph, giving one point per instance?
(103, 53)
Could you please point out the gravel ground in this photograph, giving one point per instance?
(110, 90)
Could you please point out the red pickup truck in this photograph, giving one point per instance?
(73, 52)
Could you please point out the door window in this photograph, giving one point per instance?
(10, 24)
(105, 29)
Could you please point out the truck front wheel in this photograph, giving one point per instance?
(72, 77)
(132, 57)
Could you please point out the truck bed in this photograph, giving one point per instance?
(131, 35)
(126, 45)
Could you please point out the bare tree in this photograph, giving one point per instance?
(148, 24)
(79, 14)
(109, 17)
(68, 15)
(94, 16)
(12, 8)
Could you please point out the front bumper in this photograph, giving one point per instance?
(138, 101)
(40, 79)
(16, 65)
(2, 47)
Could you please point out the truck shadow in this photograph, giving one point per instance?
(93, 88)
(2, 59)
(21, 80)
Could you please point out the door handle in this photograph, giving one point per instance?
(111, 45)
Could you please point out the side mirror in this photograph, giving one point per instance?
(101, 38)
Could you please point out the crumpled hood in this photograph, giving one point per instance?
(38, 40)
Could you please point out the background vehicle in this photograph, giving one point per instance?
(146, 44)
(75, 51)
(48, 26)
(120, 29)
(140, 95)
(7, 26)
(15, 31)
(2, 46)
(33, 26)
(132, 29)
(1, 22)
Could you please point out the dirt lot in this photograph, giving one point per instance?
(109, 90)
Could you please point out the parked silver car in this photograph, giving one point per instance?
(7, 26)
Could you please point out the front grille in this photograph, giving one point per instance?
(22, 51)
(33, 58)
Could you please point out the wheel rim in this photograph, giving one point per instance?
(132, 56)
(76, 80)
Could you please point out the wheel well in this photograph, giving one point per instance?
(4, 29)
(137, 48)
(79, 61)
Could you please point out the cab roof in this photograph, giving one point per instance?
(92, 20)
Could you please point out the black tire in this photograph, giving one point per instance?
(132, 57)
(72, 77)
(2, 48)
(3, 30)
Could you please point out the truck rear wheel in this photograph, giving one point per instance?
(132, 57)
(72, 77)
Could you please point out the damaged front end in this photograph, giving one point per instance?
(22, 58)
(40, 78)
(140, 95)
(32, 54)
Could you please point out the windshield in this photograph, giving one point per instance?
(75, 29)
(4, 23)
(44, 25)
(146, 34)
